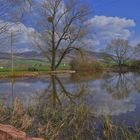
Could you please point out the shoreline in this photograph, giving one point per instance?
(32, 74)
(27, 74)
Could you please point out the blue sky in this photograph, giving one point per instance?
(122, 8)
(110, 19)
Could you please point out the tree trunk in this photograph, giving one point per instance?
(53, 62)
(53, 48)
(55, 97)
(53, 90)
(120, 67)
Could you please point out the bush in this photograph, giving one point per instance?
(135, 65)
(32, 69)
(91, 65)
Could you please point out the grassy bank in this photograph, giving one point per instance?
(35, 68)
(71, 122)
(33, 74)
(31, 71)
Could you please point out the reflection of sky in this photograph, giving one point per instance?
(96, 95)
(132, 117)
(104, 104)
(24, 90)
(102, 101)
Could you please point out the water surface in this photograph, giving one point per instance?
(117, 95)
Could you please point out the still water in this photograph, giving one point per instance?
(117, 95)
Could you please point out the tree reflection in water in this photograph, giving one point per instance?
(136, 83)
(120, 85)
(58, 94)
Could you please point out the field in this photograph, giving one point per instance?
(27, 66)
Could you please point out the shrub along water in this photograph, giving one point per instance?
(135, 65)
(86, 65)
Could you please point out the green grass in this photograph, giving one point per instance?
(42, 68)
(112, 63)
(22, 66)
(26, 65)
(24, 61)
(24, 69)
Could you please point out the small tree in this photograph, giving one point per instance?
(119, 51)
(63, 28)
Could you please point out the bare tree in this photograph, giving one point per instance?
(63, 28)
(3, 28)
(11, 10)
(18, 8)
(3, 25)
(119, 51)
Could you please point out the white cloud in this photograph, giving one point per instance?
(111, 22)
(25, 32)
(23, 36)
(135, 41)
(89, 43)
(106, 28)
(102, 29)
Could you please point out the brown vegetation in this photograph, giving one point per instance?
(86, 65)
(70, 122)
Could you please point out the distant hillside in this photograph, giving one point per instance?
(39, 56)
(24, 55)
